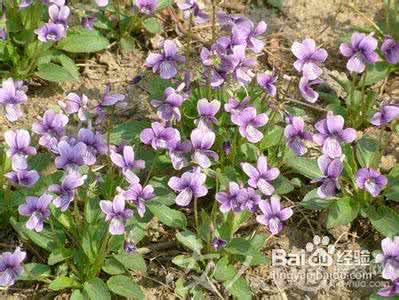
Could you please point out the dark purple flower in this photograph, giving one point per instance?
(361, 51)
(116, 213)
(370, 180)
(248, 121)
(59, 14)
(242, 65)
(189, 185)
(66, 190)
(95, 144)
(139, 195)
(390, 291)
(165, 62)
(159, 136)
(168, 107)
(18, 142)
(230, 200)
(129, 247)
(146, 7)
(389, 258)
(191, 7)
(273, 215)
(218, 243)
(331, 169)
(386, 114)
(390, 49)
(50, 32)
(11, 266)
(234, 106)
(12, 94)
(71, 156)
(88, 22)
(249, 199)
(296, 135)
(202, 141)
(267, 81)
(207, 111)
(261, 175)
(20, 174)
(127, 163)
(227, 147)
(75, 104)
(37, 208)
(176, 154)
(332, 134)
(306, 89)
(309, 58)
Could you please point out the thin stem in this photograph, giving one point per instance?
(151, 169)
(213, 21)
(362, 109)
(189, 40)
(196, 214)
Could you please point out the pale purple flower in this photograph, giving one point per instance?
(12, 94)
(391, 290)
(75, 104)
(177, 154)
(306, 89)
(386, 114)
(18, 142)
(56, 2)
(37, 209)
(296, 135)
(191, 7)
(20, 174)
(261, 176)
(331, 169)
(102, 3)
(72, 156)
(234, 106)
(229, 20)
(116, 213)
(25, 3)
(230, 200)
(139, 195)
(389, 258)
(159, 136)
(11, 266)
(390, 49)
(242, 65)
(189, 185)
(202, 140)
(217, 64)
(66, 190)
(360, 51)
(146, 7)
(244, 32)
(218, 243)
(309, 58)
(59, 15)
(95, 143)
(370, 180)
(50, 32)
(168, 107)
(248, 121)
(109, 99)
(88, 22)
(165, 62)
(332, 134)
(267, 82)
(207, 111)
(249, 199)
(3, 34)
(273, 215)
(127, 162)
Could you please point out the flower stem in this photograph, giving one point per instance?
(196, 214)
(362, 109)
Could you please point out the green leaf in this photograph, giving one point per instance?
(180, 289)
(238, 287)
(376, 72)
(62, 283)
(83, 41)
(189, 239)
(78, 295)
(132, 261)
(162, 4)
(391, 192)
(313, 201)
(169, 217)
(367, 152)
(152, 25)
(129, 131)
(249, 151)
(54, 72)
(59, 255)
(385, 220)
(283, 185)
(33, 271)
(306, 167)
(240, 246)
(163, 193)
(343, 211)
(223, 271)
(113, 267)
(125, 286)
(186, 262)
(272, 138)
(97, 289)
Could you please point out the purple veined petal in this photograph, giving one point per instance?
(348, 135)
(368, 43)
(335, 124)
(146, 136)
(117, 226)
(391, 112)
(19, 163)
(346, 50)
(260, 120)
(361, 177)
(265, 207)
(128, 155)
(200, 191)
(323, 162)
(389, 291)
(275, 226)
(13, 112)
(334, 168)
(101, 3)
(106, 207)
(390, 246)
(201, 159)
(262, 219)
(275, 204)
(332, 148)
(297, 146)
(261, 165)
(311, 70)
(327, 189)
(272, 174)
(167, 69)
(34, 223)
(381, 180)
(265, 187)
(356, 64)
(250, 170)
(252, 134)
(175, 183)
(299, 50)
(26, 209)
(153, 59)
(319, 139)
(377, 119)
(285, 214)
(184, 197)
(170, 48)
(372, 187)
(118, 204)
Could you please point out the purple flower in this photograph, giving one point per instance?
(331, 169)
(332, 134)
(191, 7)
(227, 147)
(168, 107)
(20, 175)
(390, 49)
(296, 135)
(126, 162)
(38, 211)
(261, 175)
(308, 58)
(249, 199)
(72, 156)
(95, 144)
(138, 195)
(189, 185)
(116, 213)
(217, 64)
(51, 128)
(75, 104)
(176, 154)
(25, 3)
(273, 216)
(102, 3)
(267, 81)
(307, 91)
(3, 34)
(207, 111)
(159, 136)
(218, 243)
(11, 266)
(234, 106)
(50, 32)
(18, 142)
(370, 180)
(230, 200)
(248, 121)
(146, 7)
(66, 190)
(390, 291)
(244, 32)
(361, 51)
(242, 65)
(129, 247)
(202, 141)
(386, 114)
(389, 258)
(109, 99)
(59, 15)
(56, 2)
(12, 94)
(165, 62)
(88, 22)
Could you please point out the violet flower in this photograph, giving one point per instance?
(138, 195)
(116, 213)
(12, 94)
(146, 7)
(129, 247)
(242, 65)
(18, 142)
(25, 4)
(37, 209)
(267, 82)
(11, 266)
(3, 34)
(165, 62)
(390, 49)
(202, 141)
(59, 15)
(296, 135)
(229, 200)
(159, 136)
(66, 190)
(389, 258)
(332, 134)
(95, 143)
(126, 161)
(273, 215)
(75, 104)
(245, 30)
(50, 32)
(109, 100)
(217, 65)
(102, 3)
(234, 106)
(249, 199)
(72, 156)
(227, 147)
(218, 243)
(306, 89)
(309, 58)
(390, 291)
(207, 111)
(20, 174)
(386, 114)
(176, 154)
(331, 169)
(168, 107)
(191, 7)
(189, 185)
(361, 51)
(370, 180)
(88, 22)
(261, 176)
(248, 121)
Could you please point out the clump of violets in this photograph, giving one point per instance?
(12, 95)
(331, 170)
(11, 266)
(116, 213)
(370, 180)
(37, 209)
